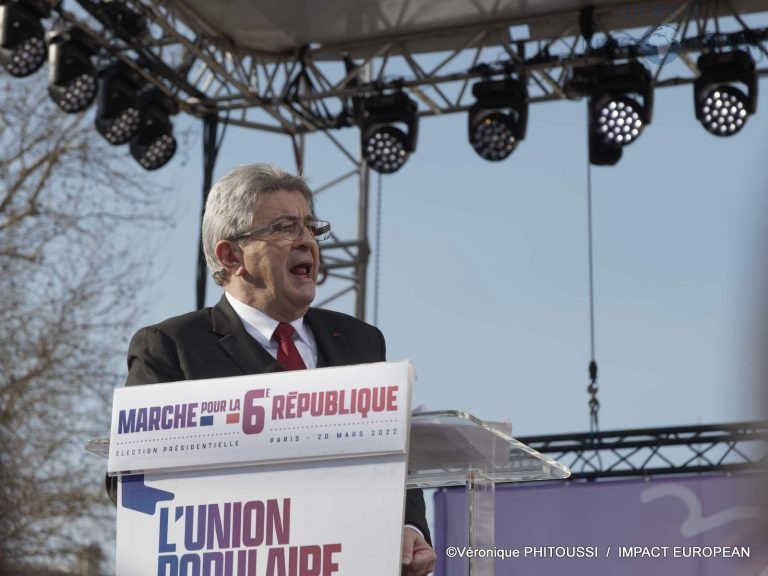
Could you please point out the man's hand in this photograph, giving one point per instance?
(418, 556)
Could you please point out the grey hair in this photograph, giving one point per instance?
(233, 201)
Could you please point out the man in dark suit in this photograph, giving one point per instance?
(260, 238)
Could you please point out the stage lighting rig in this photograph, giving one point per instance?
(72, 84)
(154, 144)
(620, 106)
(721, 105)
(384, 144)
(22, 38)
(499, 117)
(117, 112)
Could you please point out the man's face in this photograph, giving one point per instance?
(279, 276)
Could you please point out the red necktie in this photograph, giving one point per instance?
(287, 353)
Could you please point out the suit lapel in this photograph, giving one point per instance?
(237, 343)
(332, 347)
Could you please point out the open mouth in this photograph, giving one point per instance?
(302, 270)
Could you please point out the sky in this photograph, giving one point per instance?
(483, 280)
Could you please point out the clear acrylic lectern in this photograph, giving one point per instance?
(453, 448)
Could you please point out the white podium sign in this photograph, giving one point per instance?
(324, 413)
(298, 486)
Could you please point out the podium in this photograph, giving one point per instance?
(454, 448)
(246, 476)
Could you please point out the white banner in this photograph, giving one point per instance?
(304, 474)
(302, 414)
(319, 519)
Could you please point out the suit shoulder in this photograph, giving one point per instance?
(166, 351)
(331, 317)
(361, 341)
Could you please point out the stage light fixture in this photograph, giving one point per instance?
(725, 92)
(117, 112)
(620, 106)
(618, 121)
(498, 119)
(385, 145)
(127, 24)
(22, 38)
(72, 76)
(154, 144)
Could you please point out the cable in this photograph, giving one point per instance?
(594, 404)
(377, 254)
(592, 389)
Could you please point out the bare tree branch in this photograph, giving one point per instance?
(67, 299)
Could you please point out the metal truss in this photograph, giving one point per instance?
(683, 449)
(313, 89)
(344, 263)
(317, 88)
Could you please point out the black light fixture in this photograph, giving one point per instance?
(499, 117)
(72, 76)
(620, 106)
(22, 38)
(385, 145)
(722, 106)
(117, 112)
(127, 24)
(153, 146)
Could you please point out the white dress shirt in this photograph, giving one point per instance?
(261, 327)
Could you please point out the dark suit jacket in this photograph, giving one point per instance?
(212, 343)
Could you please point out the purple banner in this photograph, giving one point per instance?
(706, 525)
